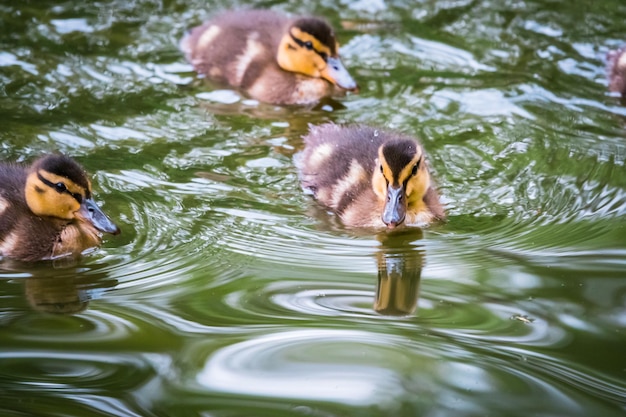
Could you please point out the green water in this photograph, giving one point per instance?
(230, 293)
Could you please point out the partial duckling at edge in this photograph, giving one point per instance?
(369, 177)
(47, 210)
(271, 57)
(616, 70)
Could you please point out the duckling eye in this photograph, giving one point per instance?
(415, 168)
(60, 187)
(308, 45)
(381, 169)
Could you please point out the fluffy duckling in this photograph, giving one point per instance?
(47, 210)
(369, 177)
(271, 57)
(616, 70)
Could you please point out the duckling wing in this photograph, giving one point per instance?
(12, 202)
(337, 164)
(227, 47)
(434, 205)
(23, 235)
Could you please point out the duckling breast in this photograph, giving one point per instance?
(75, 238)
(336, 166)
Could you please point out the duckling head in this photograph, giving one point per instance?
(58, 187)
(400, 179)
(309, 47)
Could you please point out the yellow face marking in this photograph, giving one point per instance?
(253, 49)
(69, 184)
(44, 200)
(355, 175)
(379, 184)
(295, 58)
(416, 185)
(207, 37)
(307, 37)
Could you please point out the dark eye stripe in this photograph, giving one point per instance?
(309, 46)
(416, 167)
(60, 188)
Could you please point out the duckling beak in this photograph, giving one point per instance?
(337, 74)
(92, 213)
(395, 207)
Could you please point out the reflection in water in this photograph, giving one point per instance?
(400, 264)
(56, 295)
(61, 288)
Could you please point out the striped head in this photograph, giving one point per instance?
(58, 187)
(309, 47)
(400, 179)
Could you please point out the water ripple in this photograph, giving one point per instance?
(80, 371)
(289, 357)
(322, 301)
(95, 326)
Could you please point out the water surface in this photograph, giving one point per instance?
(230, 293)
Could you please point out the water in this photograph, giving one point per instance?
(230, 293)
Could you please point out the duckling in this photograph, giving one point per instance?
(369, 177)
(47, 210)
(271, 57)
(616, 70)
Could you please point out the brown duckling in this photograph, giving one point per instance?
(271, 57)
(369, 177)
(47, 210)
(616, 70)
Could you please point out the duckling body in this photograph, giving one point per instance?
(369, 177)
(616, 70)
(271, 57)
(47, 210)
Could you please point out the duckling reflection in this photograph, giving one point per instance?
(232, 105)
(56, 295)
(399, 260)
(64, 291)
(400, 263)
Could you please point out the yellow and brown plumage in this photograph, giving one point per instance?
(47, 210)
(271, 57)
(370, 177)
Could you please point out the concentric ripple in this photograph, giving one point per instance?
(310, 364)
(86, 370)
